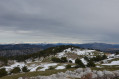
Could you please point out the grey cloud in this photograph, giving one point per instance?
(64, 20)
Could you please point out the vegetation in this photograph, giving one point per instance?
(25, 69)
(3, 72)
(43, 53)
(98, 58)
(59, 60)
(51, 68)
(117, 53)
(70, 61)
(16, 70)
(79, 63)
(68, 66)
(91, 64)
(37, 73)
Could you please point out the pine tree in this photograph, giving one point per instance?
(91, 64)
(25, 69)
(79, 63)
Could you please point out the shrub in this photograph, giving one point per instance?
(3, 72)
(51, 68)
(16, 70)
(91, 64)
(25, 69)
(54, 59)
(70, 61)
(63, 59)
(79, 63)
(68, 66)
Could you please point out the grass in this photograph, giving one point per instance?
(110, 68)
(116, 59)
(37, 73)
(50, 72)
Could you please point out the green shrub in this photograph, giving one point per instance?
(51, 68)
(54, 59)
(70, 61)
(79, 63)
(3, 72)
(64, 59)
(16, 70)
(25, 69)
(68, 66)
(91, 64)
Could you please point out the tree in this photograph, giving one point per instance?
(16, 70)
(86, 58)
(63, 59)
(79, 63)
(3, 72)
(54, 59)
(117, 53)
(70, 61)
(91, 64)
(25, 69)
(104, 57)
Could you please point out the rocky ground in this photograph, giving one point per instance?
(80, 73)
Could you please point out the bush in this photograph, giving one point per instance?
(79, 63)
(68, 66)
(86, 58)
(70, 61)
(16, 70)
(25, 69)
(54, 59)
(91, 64)
(104, 57)
(51, 68)
(117, 53)
(3, 72)
(63, 59)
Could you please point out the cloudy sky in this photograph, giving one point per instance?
(77, 21)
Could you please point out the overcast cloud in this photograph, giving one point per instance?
(79, 21)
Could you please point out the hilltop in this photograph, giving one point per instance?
(58, 59)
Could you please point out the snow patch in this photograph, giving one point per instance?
(60, 67)
(113, 63)
(46, 66)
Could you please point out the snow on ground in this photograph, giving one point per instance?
(46, 66)
(76, 51)
(84, 61)
(73, 60)
(21, 64)
(33, 68)
(113, 63)
(60, 67)
(98, 66)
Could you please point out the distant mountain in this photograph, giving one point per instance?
(24, 49)
(101, 46)
(24, 46)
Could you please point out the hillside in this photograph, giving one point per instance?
(60, 59)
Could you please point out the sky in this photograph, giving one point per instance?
(59, 21)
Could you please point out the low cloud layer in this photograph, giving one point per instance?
(79, 21)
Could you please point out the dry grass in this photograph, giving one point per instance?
(37, 73)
